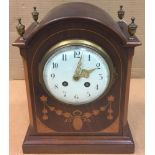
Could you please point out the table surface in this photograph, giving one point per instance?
(19, 119)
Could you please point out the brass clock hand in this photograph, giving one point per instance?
(86, 72)
(77, 72)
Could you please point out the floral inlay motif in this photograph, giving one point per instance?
(77, 117)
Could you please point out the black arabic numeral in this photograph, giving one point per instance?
(76, 97)
(52, 75)
(77, 54)
(89, 57)
(88, 94)
(64, 93)
(64, 57)
(55, 65)
(101, 76)
(98, 65)
(56, 86)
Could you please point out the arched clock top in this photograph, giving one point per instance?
(66, 12)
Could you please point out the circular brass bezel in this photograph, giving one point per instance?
(85, 43)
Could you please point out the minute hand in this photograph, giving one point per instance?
(77, 72)
(86, 72)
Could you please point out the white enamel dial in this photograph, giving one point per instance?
(76, 74)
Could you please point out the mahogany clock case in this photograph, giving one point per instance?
(88, 128)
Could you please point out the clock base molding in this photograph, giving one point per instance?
(79, 144)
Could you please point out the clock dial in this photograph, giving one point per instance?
(76, 74)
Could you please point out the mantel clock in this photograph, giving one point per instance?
(77, 63)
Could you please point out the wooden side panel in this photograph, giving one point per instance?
(127, 86)
(28, 92)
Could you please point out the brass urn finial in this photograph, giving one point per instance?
(35, 14)
(20, 28)
(132, 27)
(121, 13)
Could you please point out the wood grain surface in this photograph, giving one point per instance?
(24, 8)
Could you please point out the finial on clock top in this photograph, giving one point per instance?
(20, 28)
(132, 27)
(121, 13)
(35, 14)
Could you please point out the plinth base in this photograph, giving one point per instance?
(79, 144)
